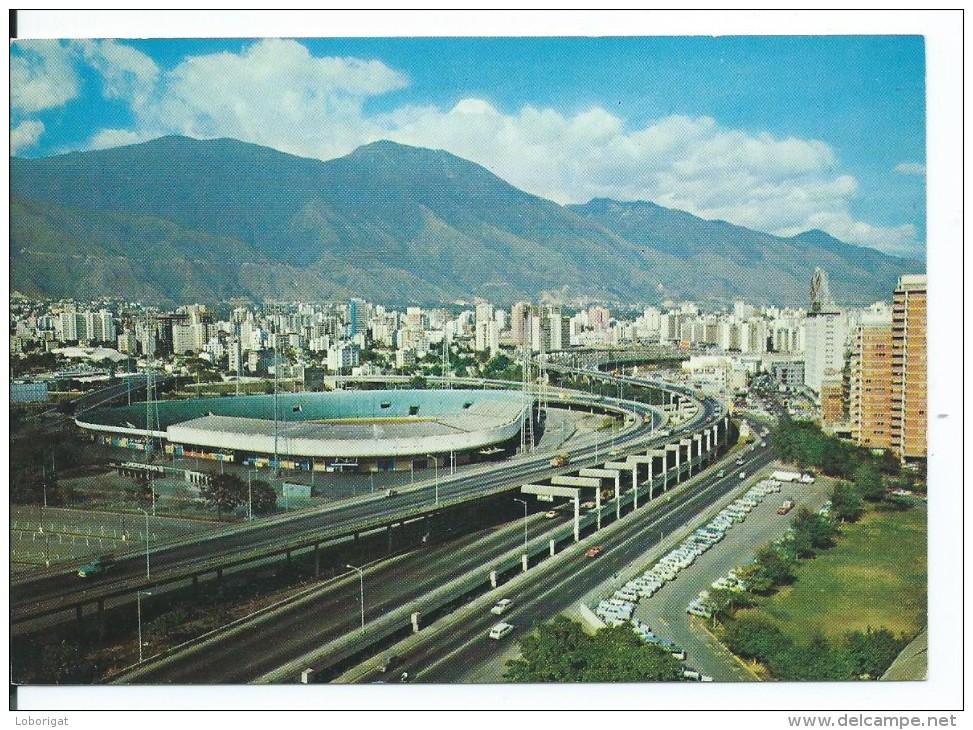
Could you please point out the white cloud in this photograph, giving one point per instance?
(126, 72)
(275, 93)
(117, 138)
(910, 168)
(42, 76)
(25, 135)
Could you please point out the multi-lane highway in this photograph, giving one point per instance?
(259, 646)
(459, 650)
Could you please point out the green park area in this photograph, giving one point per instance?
(874, 577)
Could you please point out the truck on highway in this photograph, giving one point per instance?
(561, 459)
(793, 476)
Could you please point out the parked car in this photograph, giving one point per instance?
(594, 552)
(786, 507)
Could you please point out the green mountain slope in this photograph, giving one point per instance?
(179, 219)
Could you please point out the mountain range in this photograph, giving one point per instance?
(176, 220)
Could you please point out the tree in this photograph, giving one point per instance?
(725, 602)
(817, 660)
(264, 497)
(868, 479)
(872, 652)
(846, 503)
(751, 637)
(812, 532)
(224, 491)
(772, 569)
(561, 651)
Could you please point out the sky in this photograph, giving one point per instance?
(776, 133)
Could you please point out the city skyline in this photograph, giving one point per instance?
(724, 128)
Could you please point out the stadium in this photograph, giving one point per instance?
(383, 430)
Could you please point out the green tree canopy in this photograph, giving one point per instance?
(561, 651)
(224, 492)
(264, 497)
(846, 502)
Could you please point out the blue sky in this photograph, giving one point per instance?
(780, 134)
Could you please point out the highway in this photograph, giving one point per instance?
(49, 593)
(457, 648)
(243, 655)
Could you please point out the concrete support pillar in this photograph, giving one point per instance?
(678, 468)
(598, 507)
(698, 448)
(706, 443)
(493, 579)
(716, 441)
(688, 443)
(551, 544)
(577, 519)
(635, 481)
(307, 676)
(618, 489)
(523, 563)
(415, 622)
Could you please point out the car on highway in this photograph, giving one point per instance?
(739, 461)
(500, 630)
(550, 514)
(501, 606)
(594, 552)
(721, 473)
(99, 566)
(588, 505)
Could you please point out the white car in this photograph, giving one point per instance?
(501, 606)
(501, 630)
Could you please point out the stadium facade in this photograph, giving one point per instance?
(380, 430)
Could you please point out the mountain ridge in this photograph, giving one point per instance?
(389, 222)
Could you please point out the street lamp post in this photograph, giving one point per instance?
(361, 579)
(524, 502)
(138, 603)
(146, 541)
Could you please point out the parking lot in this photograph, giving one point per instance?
(660, 596)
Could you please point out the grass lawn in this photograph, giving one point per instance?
(876, 576)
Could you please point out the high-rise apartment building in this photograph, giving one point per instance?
(909, 371)
(519, 320)
(870, 396)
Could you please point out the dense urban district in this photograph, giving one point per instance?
(242, 492)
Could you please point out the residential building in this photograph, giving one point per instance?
(909, 370)
(870, 391)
